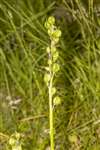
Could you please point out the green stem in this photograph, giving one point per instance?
(51, 106)
(51, 116)
(54, 34)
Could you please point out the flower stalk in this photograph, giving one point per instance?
(52, 68)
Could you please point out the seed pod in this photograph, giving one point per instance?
(56, 68)
(46, 78)
(56, 34)
(53, 90)
(55, 56)
(48, 49)
(56, 40)
(50, 22)
(53, 50)
(57, 100)
(49, 62)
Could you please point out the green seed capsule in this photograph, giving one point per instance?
(56, 68)
(50, 32)
(55, 56)
(47, 25)
(57, 100)
(53, 90)
(53, 50)
(51, 20)
(56, 33)
(48, 49)
(56, 40)
(49, 62)
(46, 78)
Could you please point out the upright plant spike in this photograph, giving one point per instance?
(52, 68)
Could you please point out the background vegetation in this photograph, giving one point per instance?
(23, 93)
